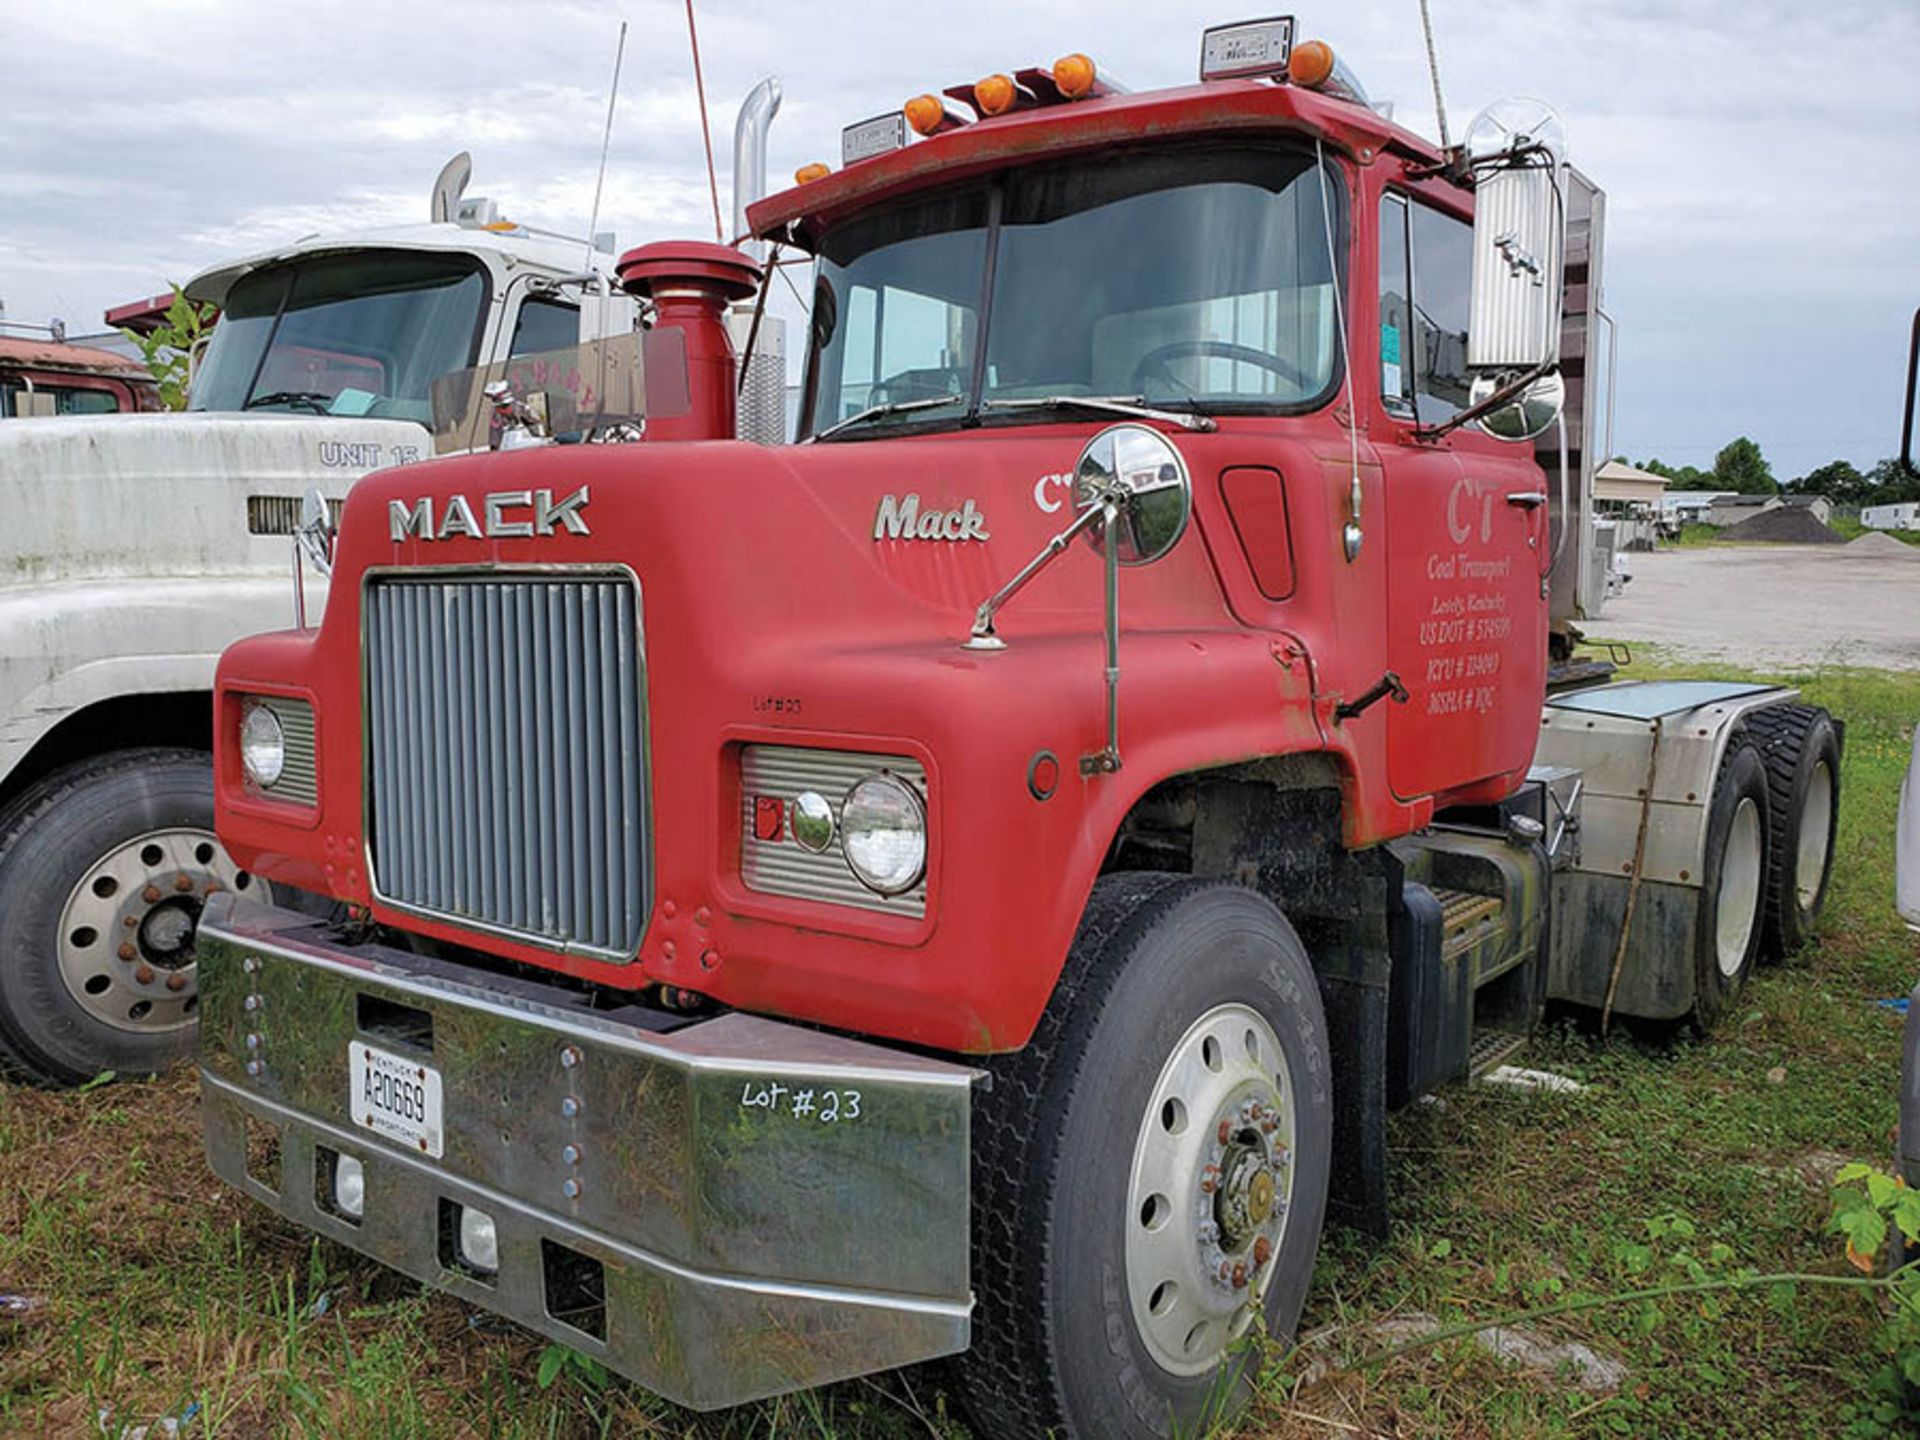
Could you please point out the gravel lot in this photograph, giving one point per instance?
(1773, 605)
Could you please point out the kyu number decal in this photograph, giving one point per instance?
(1464, 633)
(823, 1107)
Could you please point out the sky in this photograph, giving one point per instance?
(1762, 258)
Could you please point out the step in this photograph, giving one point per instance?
(1467, 919)
(1491, 1048)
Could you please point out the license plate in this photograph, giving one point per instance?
(395, 1097)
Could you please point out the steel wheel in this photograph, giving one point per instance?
(1742, 878)
(1816, 836)
(1212, 1183)
(127, 928)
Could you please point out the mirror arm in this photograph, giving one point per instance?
(1913, 374)
(983, 636)
(1506, 393)
(1107, 761)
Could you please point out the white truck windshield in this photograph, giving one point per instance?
(1184, 279)
(364, 333)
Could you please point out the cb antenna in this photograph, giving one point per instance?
(1433, 69)
(606, 139)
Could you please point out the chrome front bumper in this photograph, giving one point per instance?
(673, 1200)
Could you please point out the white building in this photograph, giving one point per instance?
(1903, 516)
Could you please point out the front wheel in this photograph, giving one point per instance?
(104, 868)
(1151, 1171)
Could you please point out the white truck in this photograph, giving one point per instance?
(139, 546)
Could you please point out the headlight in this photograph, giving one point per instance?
(263, 745)
(883, 830)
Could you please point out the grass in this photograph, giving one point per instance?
(159, 1289)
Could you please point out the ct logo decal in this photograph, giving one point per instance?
(1460, 502)
(1060, 481)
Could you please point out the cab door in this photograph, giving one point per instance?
(1466, 525)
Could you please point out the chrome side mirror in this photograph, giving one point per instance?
(1528, 414)
(1517, 152)
(1140, 469)
(315, 533)
(1913, 394)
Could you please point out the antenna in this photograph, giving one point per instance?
(700, 90)
(606, 139)
(1433, 69)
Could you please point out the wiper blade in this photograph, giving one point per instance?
(1134, 405)
(312, 399)
(892, 407)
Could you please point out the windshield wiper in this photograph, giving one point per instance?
(312, 399)
(1133, 405)
(892, 407)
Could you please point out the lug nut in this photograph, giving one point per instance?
(176, 981)
(127, 952)
(131, 921)
(1224, 1131)
(1240, 1276)
(1206, 1187)
(183, 883)
(1262, 1250)
(144, 974)
(151, 894)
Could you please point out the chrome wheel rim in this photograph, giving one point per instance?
(1738, 906)
(1210, 1190)
(127, 929)
(1816, 831)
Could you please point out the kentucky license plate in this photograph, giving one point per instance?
(395, 1097)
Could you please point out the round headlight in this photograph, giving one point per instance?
(883, 830)
(263, 746)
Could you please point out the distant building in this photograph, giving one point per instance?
(1732, 509)
(1632, 499)
(1903, 516)
(1680, 505)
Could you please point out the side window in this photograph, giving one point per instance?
(1442, 285)
(1396, 309)
(1426, 276)
(544, 325)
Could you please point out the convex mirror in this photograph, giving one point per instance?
(1142, 468)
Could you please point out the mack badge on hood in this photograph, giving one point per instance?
(494, 522)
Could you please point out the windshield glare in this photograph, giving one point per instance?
(1197, 280)
(360, 334)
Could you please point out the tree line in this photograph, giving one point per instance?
(1740, 466)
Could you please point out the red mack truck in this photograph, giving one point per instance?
(971, 883)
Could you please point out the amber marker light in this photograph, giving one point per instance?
(1073, 75)
(925, 114)
(807, 174)
(1311, 64)
(994, 95)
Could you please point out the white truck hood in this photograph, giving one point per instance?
(128, 496)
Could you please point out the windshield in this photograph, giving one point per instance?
(358, 334)
(1190, 280)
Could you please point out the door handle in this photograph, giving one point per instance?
(1527, 499)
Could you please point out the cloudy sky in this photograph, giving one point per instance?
(1764, 253)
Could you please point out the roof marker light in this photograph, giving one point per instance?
(995, 95)
(926, 114)
(1074, 75)
(807, 174)
(1311, 64)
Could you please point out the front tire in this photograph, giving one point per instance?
(1150, 1173)
(104, 867)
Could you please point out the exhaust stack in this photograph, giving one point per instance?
(762, 410)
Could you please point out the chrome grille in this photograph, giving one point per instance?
(506, 754)
(781, 867)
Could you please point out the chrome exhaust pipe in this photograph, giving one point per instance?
(750, 158)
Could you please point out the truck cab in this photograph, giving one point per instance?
(970, 882)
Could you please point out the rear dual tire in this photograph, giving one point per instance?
(1120, 1282)
(1800, 747)
(1731, 916)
